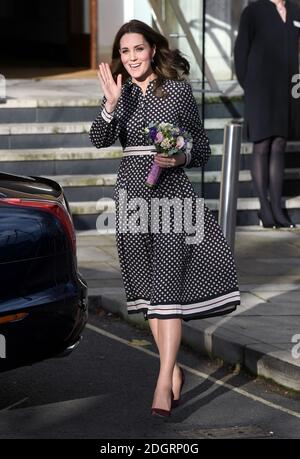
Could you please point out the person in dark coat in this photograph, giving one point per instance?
(266, 58)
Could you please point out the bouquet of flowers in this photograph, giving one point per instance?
(168, 140)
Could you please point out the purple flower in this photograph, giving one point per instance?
(159, 137)
(153, 132)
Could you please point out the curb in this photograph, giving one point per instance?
(221, 343)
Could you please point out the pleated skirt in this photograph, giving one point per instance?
(174, 259)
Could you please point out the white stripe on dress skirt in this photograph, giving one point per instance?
(136, 303)
(186, 309)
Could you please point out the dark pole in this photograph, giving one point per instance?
(93, 34)
(203, 84)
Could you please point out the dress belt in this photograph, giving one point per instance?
(139, 150)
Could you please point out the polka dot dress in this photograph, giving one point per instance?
(170, 269)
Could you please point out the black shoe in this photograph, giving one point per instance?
(281, 218)
(271, 223)
(286, 223)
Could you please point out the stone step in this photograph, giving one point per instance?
(48, 113)
(244, 175)
(211, 191)
(90, 161)
(78, 127)
(44, 128)
(61, 154)
(41, 135)
(19, 101)
(91, 187)
(93, 207)
(194, 176)
(45, 102)
(44, 105)
(87, 187)
(60, 161)
(52, 111)
(115, 151)
(74, 134)
(71, 134)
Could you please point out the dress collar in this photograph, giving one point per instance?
(129, 82)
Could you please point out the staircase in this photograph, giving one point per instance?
(50, 138)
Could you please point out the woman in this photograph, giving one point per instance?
(166, 278)
(266, 58)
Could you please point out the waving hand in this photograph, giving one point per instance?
(112, 90)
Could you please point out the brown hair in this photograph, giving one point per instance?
(167, 63)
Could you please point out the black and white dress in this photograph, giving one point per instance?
(165, 275)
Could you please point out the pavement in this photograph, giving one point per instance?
(261, 336)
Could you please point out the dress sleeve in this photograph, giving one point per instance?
(243, 45)
(105, 129)
(198, 154)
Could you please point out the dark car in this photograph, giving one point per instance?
(43, 298)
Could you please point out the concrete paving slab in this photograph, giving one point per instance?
(93, 254)
(266, 329)
(250, 300)
(98, 271)
(274, 309)
(269, 287)
(278, 297)
(112, 250)
(262, 267)
(98, 241)
(252, 251)
(264, 279)
(113, 282)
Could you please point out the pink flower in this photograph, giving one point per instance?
(179, 142)
(159, 137)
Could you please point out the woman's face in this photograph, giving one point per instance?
(136, 55)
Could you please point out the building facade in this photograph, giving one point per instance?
(80, 33)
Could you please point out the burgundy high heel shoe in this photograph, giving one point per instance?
(176, 402)
(162, 413)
